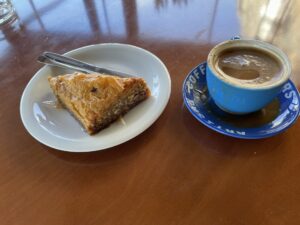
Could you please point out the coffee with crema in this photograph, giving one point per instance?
(249, 65)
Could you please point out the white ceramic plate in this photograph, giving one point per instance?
(56, 128)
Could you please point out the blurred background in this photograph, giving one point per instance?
(178, 27)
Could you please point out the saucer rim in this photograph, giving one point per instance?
(259, 136)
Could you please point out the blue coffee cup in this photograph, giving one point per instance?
(237, 97)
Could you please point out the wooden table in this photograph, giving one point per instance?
(177, 171)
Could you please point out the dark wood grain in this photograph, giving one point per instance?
(177, 171)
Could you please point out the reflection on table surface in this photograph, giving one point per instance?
(276, 22)
(173, 24)
(177, 171)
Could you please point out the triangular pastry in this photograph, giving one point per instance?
(98, 100)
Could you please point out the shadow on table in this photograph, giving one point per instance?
(215, 142)
(111, 154)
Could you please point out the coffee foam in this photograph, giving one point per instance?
(249, 65)
(260, 46)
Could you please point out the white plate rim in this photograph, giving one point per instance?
(140, 130)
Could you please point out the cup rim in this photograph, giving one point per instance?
(251, 43)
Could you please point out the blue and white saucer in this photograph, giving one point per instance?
(273, 119)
